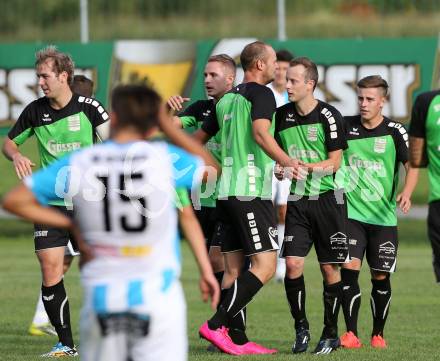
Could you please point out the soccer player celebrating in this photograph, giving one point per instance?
(122, 192)
(219, 78)
(243, 118)
(312, 131)
(376, 147)
(62, 122)
(424, 146)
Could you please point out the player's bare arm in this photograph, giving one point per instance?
(260, 129)
(181, 139)
(193, 233)
(330, 165)
(417, 152)
(22, 202)
(404, 197)
(23, 165)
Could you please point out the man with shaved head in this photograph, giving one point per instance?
(248, 226)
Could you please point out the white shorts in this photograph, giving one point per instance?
(280, 191)
(166, 339)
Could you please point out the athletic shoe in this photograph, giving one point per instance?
(378, 341)
(350, 340)
(301, 341)
(42, 329)
(326, 345)
(59, 350)
(252, 348)
(219, 338)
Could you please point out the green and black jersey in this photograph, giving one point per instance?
(310, 138)
(246, 168)
(60, 131)
(192, 118)
(372, 169)
(425, 123)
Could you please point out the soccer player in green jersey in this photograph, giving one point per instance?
(424, 150)
(62, 122)
(219, 78)
(244, 121)
(376, 147)
(312, 131)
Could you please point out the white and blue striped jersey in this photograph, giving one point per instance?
(123, 198)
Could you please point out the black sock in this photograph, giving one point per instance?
(57, 308)
(296, 296)
(219, 277)
(245, 287)
(332, 296)
(237, 328)
(380, 304)
(351, 298)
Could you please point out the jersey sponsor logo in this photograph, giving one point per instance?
(380, 145)
(74, 123)
(290, 117)
(46, 118)
(387, 248)
(354, 131)
(356, 162)
(54, 147)
(296, 153)
(40, 233)
(312, 133)
(338, 238)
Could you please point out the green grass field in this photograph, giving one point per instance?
(412, 328)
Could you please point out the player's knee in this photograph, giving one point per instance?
(379, 276)
(294, 267)
(330, 273)
(216, 259)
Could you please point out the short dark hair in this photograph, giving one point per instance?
(225, 59)
(374, 81)
(284, 55)
(251, 53)
(310, 66)
(136, 106)
(82, 85)
(60, 61)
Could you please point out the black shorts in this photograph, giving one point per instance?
(247, 226)
(207, 219)
(379, 243)
(434, 235)
(322, 222)
(51, 237)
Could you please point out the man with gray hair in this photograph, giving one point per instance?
(62, 122)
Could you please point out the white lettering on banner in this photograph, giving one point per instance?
(19, 87)
(337, 86)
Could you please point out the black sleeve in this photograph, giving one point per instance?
(95, 112)
(278, 115)
(334, 130)
(23, 127)
(401, 143)
(263, 103)
(191, 110)
(417, 125)
(210, 125)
